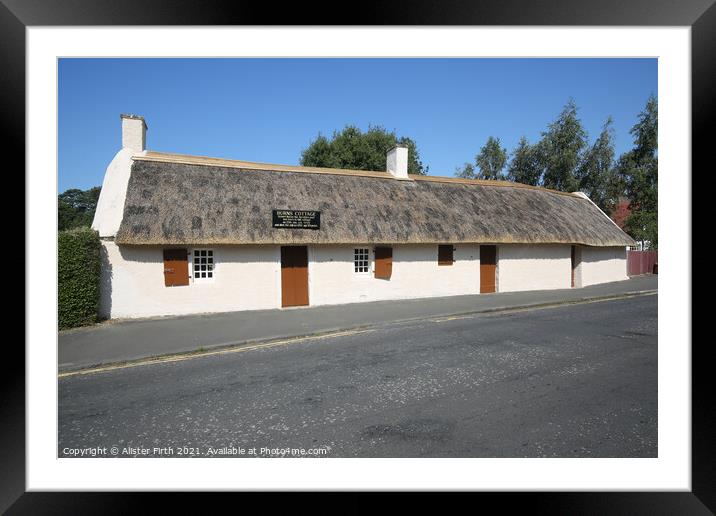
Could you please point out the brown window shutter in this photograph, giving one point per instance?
(176, 267)
(445, 255)
(383, 262)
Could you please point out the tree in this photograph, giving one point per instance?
(319, 154)
(525, 166)
(561, 148)
(638, 170)
(489, 163)
(491, 159)
(643, 226)
(75, 208)
(596, 175)
(353, 149)
(467, 171)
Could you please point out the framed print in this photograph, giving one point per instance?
(198, 247)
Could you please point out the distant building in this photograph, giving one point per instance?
(189, 234)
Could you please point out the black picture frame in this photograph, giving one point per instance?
(700, 15)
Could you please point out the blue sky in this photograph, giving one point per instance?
(270, 109)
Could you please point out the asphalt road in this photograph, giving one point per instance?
(573, 381)
(133, 339)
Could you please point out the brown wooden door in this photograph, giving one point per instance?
(488, 268)
(176, 267)
(574, 262)
(383, 262)
(294, 275)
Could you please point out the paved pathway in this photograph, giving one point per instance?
(135, 339)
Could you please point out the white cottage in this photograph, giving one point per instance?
(189, 234)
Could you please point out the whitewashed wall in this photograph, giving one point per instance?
(415, 274)
(249, 277)
(110, 205)
(533, 267)
(246, 278)
(601, 265)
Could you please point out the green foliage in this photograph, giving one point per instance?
(638, 171)
(561, 148)
(467, 171)
(491, 159)
(353, 149)
(639, 168)
(646, 131)
(644, 226)
(78, 277)
(564, 160)
(525, 165)
(489, 162)
(596, 175)
(75, 208)
(319, 154)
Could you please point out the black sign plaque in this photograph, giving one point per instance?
(297, 219)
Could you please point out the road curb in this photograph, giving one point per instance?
(227, 346)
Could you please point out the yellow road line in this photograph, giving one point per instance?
(546, 306)
(453, 318)
(569, 303)
(199, 354)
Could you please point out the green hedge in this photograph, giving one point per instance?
(78, 276)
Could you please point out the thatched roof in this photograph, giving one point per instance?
(174, 199)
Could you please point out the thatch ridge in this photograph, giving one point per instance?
(173, 201)
(256, 165)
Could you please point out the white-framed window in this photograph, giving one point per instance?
(361, 260)
(202, 264)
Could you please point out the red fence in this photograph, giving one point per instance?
(641, 262)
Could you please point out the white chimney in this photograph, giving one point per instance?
(397, 161)
(134, 133)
